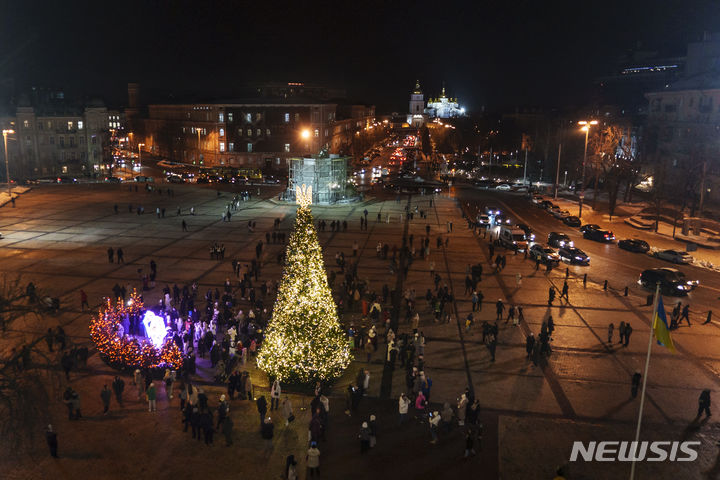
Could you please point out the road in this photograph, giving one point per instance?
(608, 262)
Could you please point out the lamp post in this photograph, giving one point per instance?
(7, 161)
(140, 154)
(199, 151)
(585, 128)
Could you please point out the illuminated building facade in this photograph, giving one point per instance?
(326, 173)
(444, 107)
(417, 117)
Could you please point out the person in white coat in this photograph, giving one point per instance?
(403, 404)
(275, 392)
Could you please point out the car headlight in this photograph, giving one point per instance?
(578, 258)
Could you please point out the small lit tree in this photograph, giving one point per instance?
(304, 341)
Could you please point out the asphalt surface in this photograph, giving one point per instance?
(607, 261)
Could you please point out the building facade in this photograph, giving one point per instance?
(262, 132)
(58, 140)
(444, 107)
(416, 116)
(326, 174)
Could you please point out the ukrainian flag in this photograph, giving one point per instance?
(660, 326)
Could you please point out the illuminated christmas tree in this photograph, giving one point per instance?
(304, 341)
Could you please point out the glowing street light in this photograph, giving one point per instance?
(585, 128)
(305, 135)
(7, 162)
(140, 154)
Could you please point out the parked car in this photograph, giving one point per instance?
(557, 239)
(599, 235)
(546, 204)
(560, 213)
(589, 226)
(634, 245)
(65, 179)
(544, 253)
(537, 199)
(672, 281)
(574, 255)
(674, 256)
(572, 221)
(503, 186)
(113, 179)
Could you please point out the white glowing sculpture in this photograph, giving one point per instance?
(303, 195)
(155, 328)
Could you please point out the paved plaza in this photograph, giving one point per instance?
(57, 237)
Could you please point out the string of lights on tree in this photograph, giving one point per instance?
(304, 341)
(127, 351)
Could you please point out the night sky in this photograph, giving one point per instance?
(540, 53)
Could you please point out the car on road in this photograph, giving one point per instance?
(513, 238)
(492, 210)
(528, 231)
(599, 235)
(634, 245)
(503, 186)
(573, 255)
(537, 199)
(66, 180)
(544, 253)
(557, 239)
(483, 220)
(589, 226)
(572, 221)
(672, 281)
(502, 220)
(113, 180)
(674, 256)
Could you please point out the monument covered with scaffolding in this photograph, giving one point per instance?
(327, 174)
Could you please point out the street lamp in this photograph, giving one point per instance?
(305, 135)
(7, 161)
(585, 128)
(199, 151)
(140, 154)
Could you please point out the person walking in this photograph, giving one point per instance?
(621, 332)
(499, 309)
(184, 226)
(151, 396)
(364, 437)
(120, 256)
(628, 332)
(709, 318)
(551, 295)
(105, 396)
(564, 292)
(287, 410)
(529, 344)
(313, 458)
(685, 314)
(611, 328)
(261, 404)
(704, 403)
(118, 385)
(51, 439)
(111, 254)
(635, 384)
(403, 404)
(275, 392)
(83, 300)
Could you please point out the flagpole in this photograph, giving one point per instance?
(644, 385)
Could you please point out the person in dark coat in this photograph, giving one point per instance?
(105, 396)
(529, 344)
(118, 386)
(704, 403)
(227, 430)
(51, 439)
(635, 383)
(206, 423)
(262, 408)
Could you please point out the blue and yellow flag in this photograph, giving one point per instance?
(660, 325)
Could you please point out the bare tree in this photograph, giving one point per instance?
(27, 373)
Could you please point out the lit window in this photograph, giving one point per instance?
(248, 117)
(287, 147)
(222, 146)
(26, 124)
(249, 147)
(230, 117)
(287, 118)
(192, 129)
(267, 132)
(259, 132)
(297, 117)
(221, 117)
(49, 125)
(222, 132)
(317, 133)
(231, 147)
(80, 124)
(258, 117)
(249, 132)
(70, 125)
